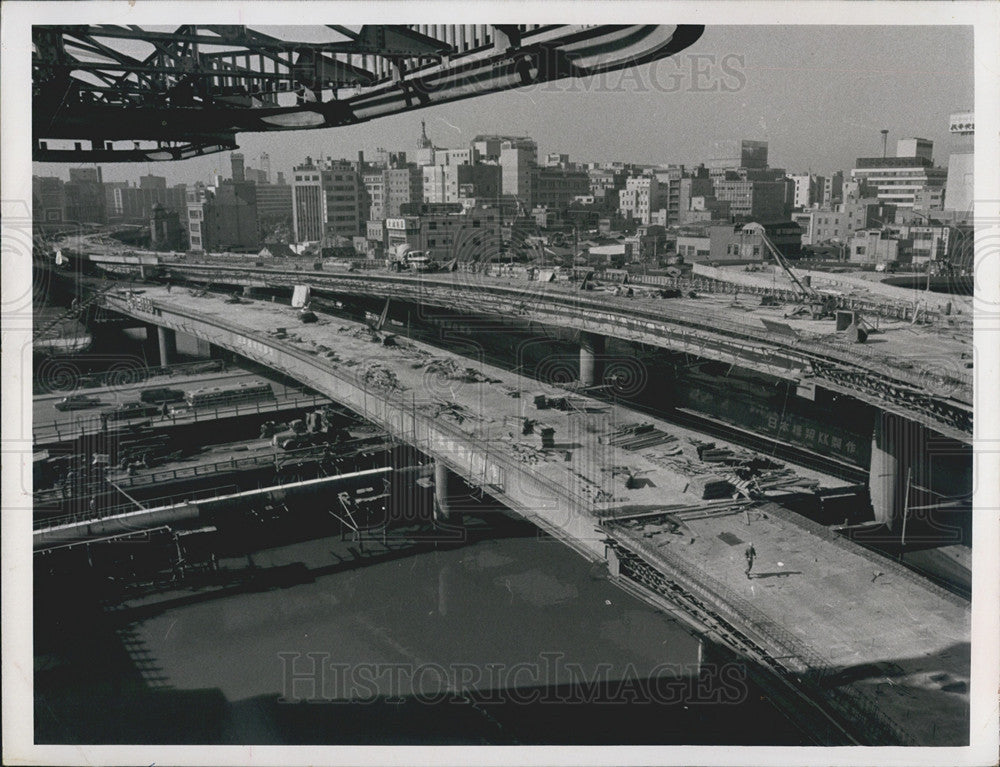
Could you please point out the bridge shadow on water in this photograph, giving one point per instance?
(97, 680)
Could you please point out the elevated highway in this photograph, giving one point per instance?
(936, 394)
(898, 669)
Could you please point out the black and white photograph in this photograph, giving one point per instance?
(388, 393)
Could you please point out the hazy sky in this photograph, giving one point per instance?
(818, 94)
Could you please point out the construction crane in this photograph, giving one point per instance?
(806, 292)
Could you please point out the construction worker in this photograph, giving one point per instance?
(750, 554)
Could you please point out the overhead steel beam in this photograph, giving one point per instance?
(181, 95)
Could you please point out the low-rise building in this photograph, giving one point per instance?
(821, 226)
(738, 243)
(872, 247)
(446, 232)
(556, 186)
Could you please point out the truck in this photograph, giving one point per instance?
(404, 258)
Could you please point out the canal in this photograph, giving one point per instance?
(505, 638)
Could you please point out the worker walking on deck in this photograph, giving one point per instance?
(750, 554)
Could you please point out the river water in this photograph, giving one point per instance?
(508, 639)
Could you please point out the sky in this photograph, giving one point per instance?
(819, 95)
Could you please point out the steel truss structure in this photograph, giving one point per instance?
(175, 95)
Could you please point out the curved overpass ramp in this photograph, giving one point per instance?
(825, 628)
(937, 396)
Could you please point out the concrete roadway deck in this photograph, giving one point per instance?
(934, 356)
(934, 349)
(851, 618)
(825, 595)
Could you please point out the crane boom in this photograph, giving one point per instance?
(806, 291)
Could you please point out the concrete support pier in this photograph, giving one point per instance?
(441, 508)
(893, 448)
(591, 351)
(167, 339)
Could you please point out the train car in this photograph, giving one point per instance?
(229, 395)
(160, 395)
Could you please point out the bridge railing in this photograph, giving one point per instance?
(120, 376)
(690, 316)
(408, 419)
(785, 651)
(67, 430)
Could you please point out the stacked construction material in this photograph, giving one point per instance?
(710, 487)
(636, 436)
(751, 475)
(381, 378)
(708, 452)
(783, 481)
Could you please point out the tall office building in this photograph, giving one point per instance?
(744, 153)
(833, 189)
(518, 163)
(374, 182)
(402, 185)
(758, 201)
(265, 167)
(85, 198)
(237, 164)
(556, 186)
(808, 189)
(308, 202)
(329, 199)
(959, 189)
(897, 180)
(641, 198)
(48, 195)
(455, 183)
(274, 206)
(224, 218)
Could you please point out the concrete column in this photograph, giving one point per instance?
(167, 344)
(892, 449)
(441, 509)
(204, 349)
(591, 349)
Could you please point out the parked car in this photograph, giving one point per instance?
(130, 410)
(160, 395)
(77, 402)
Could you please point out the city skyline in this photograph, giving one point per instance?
(737, 82)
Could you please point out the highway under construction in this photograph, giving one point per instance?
(550, 488)
(667, 498)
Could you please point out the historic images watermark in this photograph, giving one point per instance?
(318, 677)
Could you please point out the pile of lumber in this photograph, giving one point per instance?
(782, 480)
(636, 436)
(710, 487)
(751, 475)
